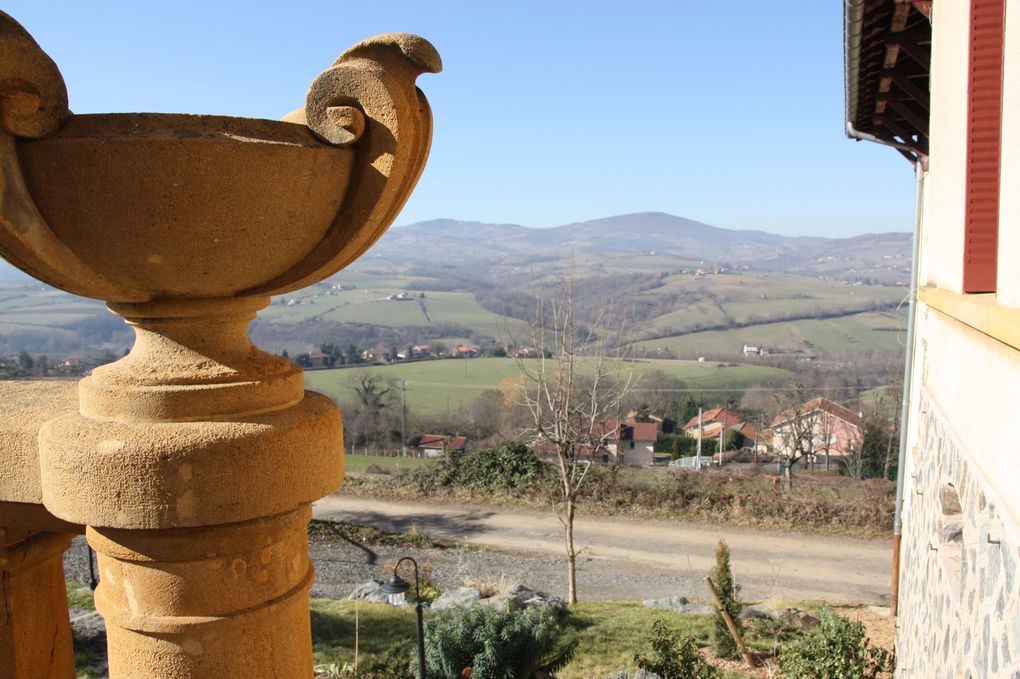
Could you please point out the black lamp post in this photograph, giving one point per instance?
(397, 585)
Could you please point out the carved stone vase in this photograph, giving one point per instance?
(193, 460)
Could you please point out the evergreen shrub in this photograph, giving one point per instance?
(491, 643)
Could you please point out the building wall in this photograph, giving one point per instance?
(640, 454)
(959, 600)
(959, 610)
(942, 241)
(1008, 291)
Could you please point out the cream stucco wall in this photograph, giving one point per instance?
(975, 380)
(943, 264)
(1008, 290)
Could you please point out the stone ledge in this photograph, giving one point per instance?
(982, 312)
(24, 407)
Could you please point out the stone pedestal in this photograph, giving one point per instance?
(35, 635)
(223, 601)
(193, 462)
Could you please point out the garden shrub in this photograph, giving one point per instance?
(511, 467)
(838, 649)
(507, 468)
(674, 657)
(493, 644)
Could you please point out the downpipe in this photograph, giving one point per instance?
(908, 372)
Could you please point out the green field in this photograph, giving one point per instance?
(870, 331)
(357, 464)
(31, 304)
(449, 386)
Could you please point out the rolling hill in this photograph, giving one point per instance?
(689, 287)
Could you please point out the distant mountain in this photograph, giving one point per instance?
(643, 233)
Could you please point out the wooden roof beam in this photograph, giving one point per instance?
(919, 53)
(899, 17)
(904, 83)
(917, 122)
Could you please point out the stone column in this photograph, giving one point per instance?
(35, 634)
(193, 461)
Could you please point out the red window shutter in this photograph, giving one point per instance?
(984, 144)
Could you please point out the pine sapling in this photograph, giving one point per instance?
(722, 576)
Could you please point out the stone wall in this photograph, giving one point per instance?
(959, 601)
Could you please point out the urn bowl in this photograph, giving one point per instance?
(185, 206)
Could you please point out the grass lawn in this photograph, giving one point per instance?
(608, 633)
(356, 464)
(435, 387)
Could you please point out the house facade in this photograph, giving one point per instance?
(823, 427)
(633, 443)
(939, 82)
(434, 445)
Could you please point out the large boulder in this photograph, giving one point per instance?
(465, 597)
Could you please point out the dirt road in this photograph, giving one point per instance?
(640, 558)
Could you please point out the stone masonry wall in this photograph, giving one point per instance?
(959, 602)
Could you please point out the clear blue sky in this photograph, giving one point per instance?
(546, 113)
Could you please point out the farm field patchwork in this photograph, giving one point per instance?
(450, 385)
(868, 331)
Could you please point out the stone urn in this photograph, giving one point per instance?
(193, 460)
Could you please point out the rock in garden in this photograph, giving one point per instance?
(528, 598)
(673, 603)
(796, 618)
(464, 597)
(755, 612)
(370, 592)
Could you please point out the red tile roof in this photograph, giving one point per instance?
(724, 415)
(442, 441)
(630, 431)
(826, 406)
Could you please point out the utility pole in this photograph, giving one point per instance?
(722, 430)
(697, 457)
(403, 425)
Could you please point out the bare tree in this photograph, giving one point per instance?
(796, 429)
(854, 459)
(572, 390)
(372, 390)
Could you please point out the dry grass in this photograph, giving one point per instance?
(823, 504)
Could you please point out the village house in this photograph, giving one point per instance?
(317, 359)
(434, 445)
(631, 442)
(824, 429)
(712, 421)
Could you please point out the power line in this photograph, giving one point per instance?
(663, 391)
